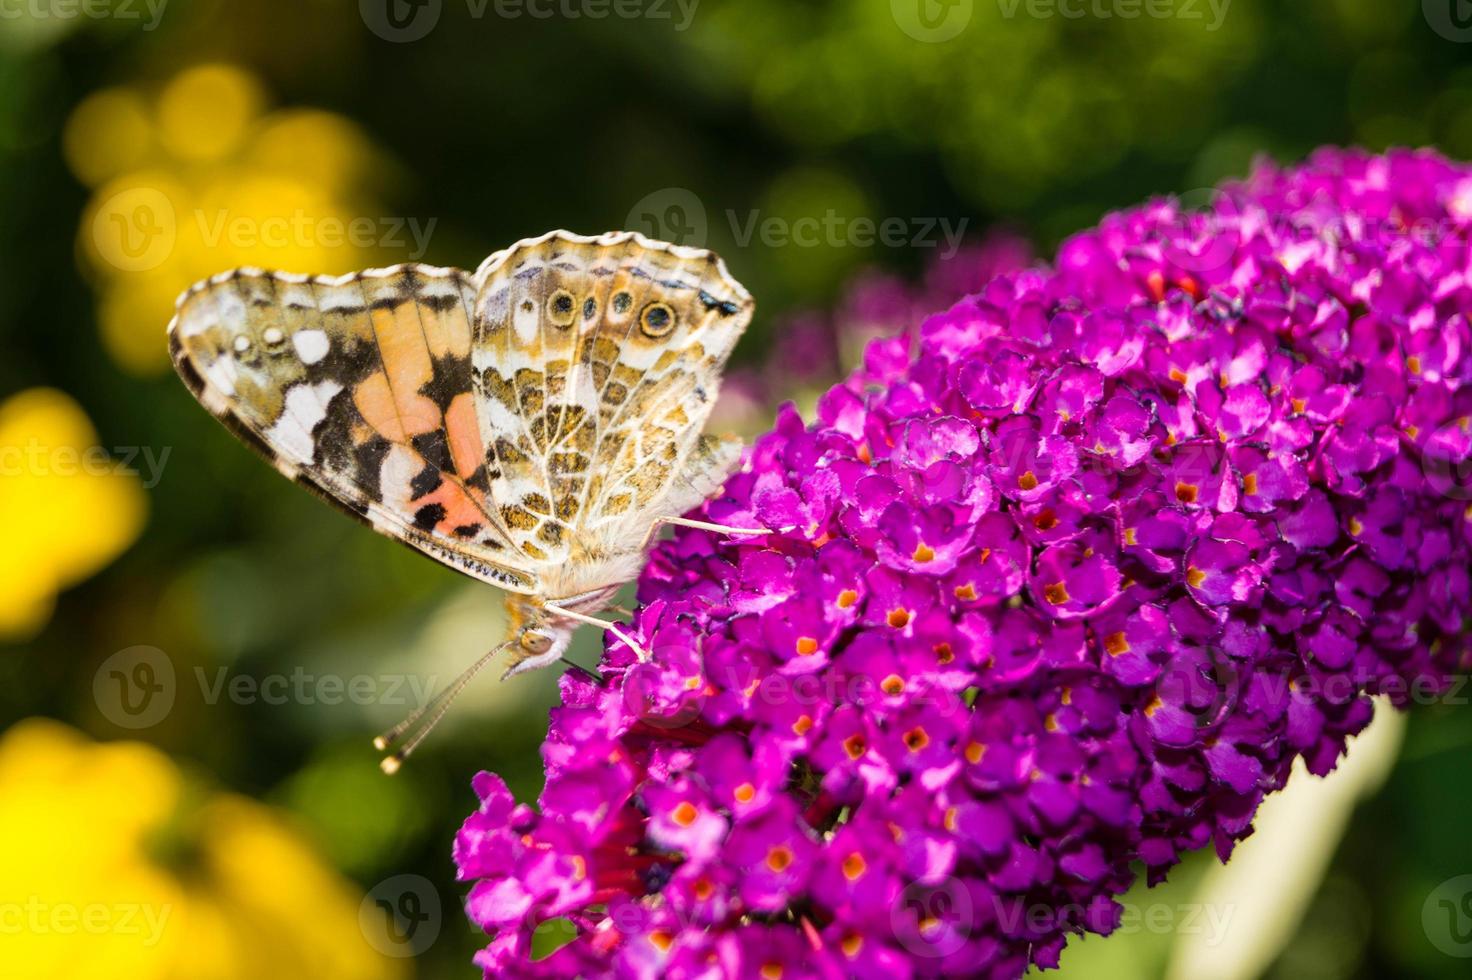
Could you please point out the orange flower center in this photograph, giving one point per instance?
(685, 814)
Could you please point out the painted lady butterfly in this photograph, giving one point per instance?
(530, 425)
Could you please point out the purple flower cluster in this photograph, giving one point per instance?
(1068, 588)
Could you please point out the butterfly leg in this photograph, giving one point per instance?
(613, 628)
(705, 526)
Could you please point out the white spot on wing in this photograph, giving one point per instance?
(311, 345)
(305, 407)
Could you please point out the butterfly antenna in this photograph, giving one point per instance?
(435, 707)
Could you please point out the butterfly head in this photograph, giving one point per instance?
(536, 640)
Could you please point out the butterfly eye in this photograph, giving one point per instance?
(622, 302)
(657, 319)
(535, 642)
(559, 308)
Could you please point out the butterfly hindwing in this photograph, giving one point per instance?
(358, 387)
(596, 362)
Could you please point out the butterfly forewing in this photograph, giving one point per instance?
(358, 387)
(524, 424)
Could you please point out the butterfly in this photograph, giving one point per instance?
(531, 424)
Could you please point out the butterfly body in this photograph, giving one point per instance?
(527, 424)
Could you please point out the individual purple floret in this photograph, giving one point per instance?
(1071, 582)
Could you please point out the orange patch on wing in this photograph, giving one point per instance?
(460, 507)
(406, 358)
(448, 336)
(375, 402)
(462, 432)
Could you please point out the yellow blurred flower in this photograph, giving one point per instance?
(66, 507)
(204, 113)
(120, 867)
(194, 180)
